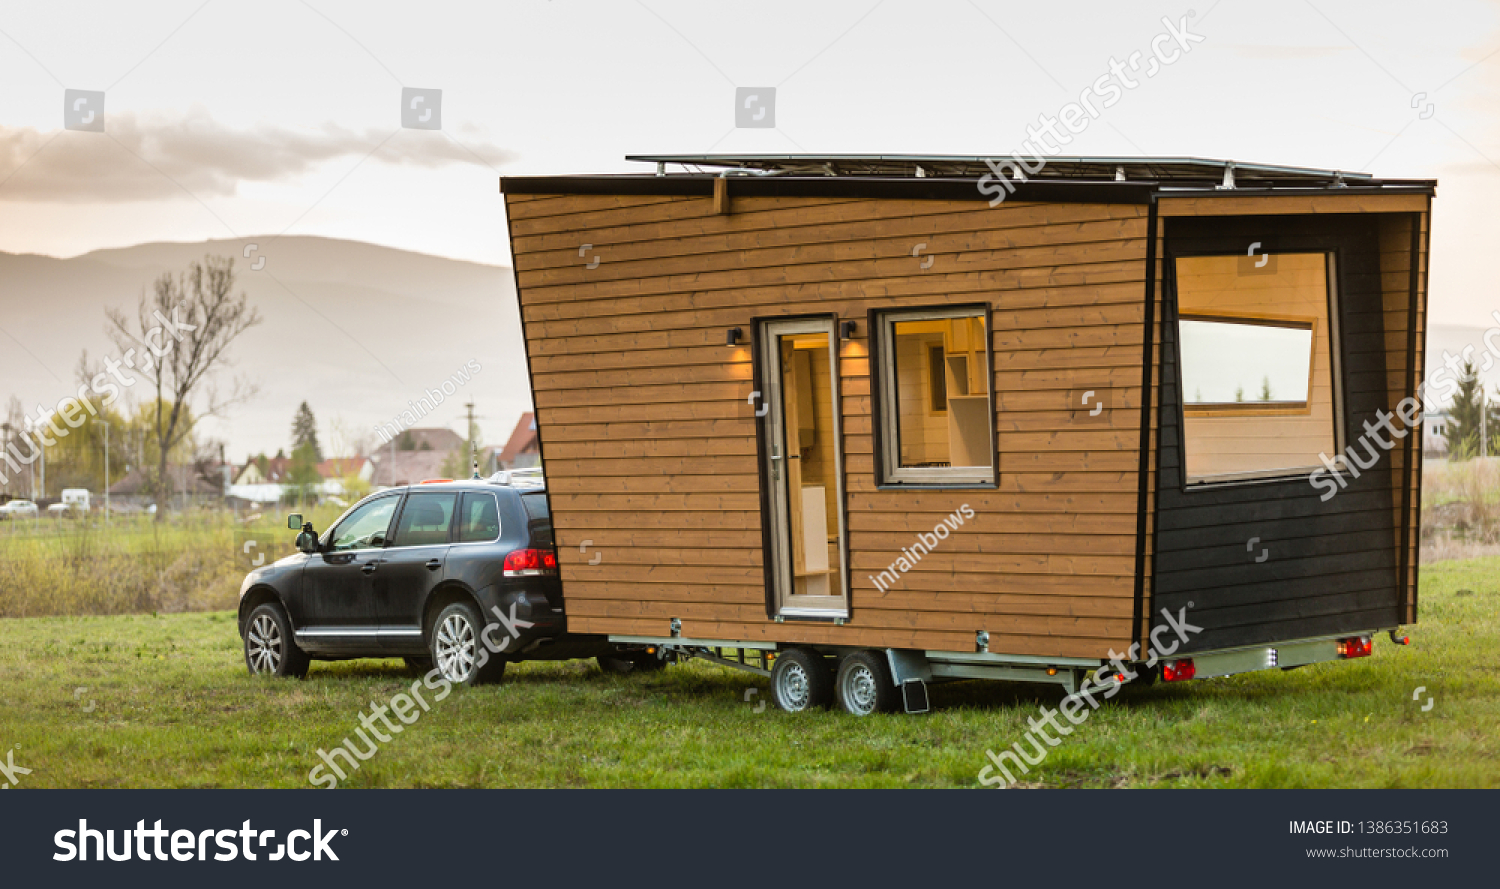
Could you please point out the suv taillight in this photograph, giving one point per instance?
(531, 561)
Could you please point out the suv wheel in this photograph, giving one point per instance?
(458, 651)
(269, 646)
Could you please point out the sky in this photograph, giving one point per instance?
(227, 119)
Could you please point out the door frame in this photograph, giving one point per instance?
(766, 382)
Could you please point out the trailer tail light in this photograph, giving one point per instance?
(1355, 646)
(1179, 670)
(530, 563)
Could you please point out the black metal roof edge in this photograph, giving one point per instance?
(911, 188)
(1378, 186)
(1146, 167)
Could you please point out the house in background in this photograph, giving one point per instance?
(523, 451)
(191, 484)
(339, 469)
(1435, 434)
(406, 467)
(275, 472)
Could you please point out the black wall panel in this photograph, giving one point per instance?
(1331, 566)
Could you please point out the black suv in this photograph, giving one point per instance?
(461, 576)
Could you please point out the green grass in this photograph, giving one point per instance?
(193, 561)
(172, 706)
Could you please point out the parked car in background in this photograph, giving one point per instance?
(18, 509)
(458, 575)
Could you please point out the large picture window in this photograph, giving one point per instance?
(936, 410)
(1258, 371)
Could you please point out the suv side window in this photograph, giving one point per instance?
(366, 527)
(479, 519)
(425, 519)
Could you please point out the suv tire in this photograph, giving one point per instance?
(270, 648)
(458, 649)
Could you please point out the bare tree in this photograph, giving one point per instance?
(181, 334)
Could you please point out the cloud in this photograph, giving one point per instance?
(133, 158)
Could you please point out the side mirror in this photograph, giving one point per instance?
(294, 521)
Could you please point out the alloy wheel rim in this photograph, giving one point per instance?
(263, 644)
(456, 648)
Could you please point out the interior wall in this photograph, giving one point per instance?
(1220, 445)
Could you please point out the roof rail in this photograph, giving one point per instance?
(520, 478)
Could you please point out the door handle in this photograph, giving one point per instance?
(434, 564)
(369, 567)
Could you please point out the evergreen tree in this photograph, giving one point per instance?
(302, 472)
(1265, 389)
(305, 432)
(1464, 419)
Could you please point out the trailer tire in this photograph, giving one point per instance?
(864, 685)
(801, 680)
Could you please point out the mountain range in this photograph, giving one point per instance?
(357, 330)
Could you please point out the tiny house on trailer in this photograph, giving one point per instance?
(863, 422)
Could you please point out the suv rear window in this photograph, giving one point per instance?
(541, 518)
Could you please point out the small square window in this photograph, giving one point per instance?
(936, 409)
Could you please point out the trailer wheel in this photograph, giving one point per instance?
(801, 680)
(864, 684)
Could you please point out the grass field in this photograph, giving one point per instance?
(166, 702)
(194, 561)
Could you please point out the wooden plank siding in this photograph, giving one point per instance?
(649, 439)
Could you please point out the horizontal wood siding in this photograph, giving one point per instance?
(1332, 566)
(650, 443)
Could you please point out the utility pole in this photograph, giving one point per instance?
(106, 472)
(473, 447)
(1484, 422)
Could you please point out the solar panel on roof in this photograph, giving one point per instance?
(1158, 169)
